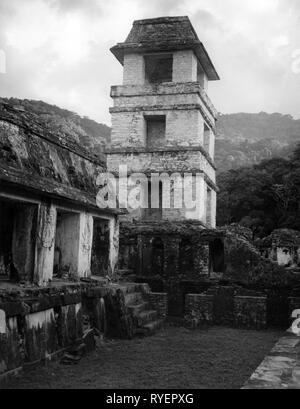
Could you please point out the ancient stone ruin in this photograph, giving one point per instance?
(69, 268)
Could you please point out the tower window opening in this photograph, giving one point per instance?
(156, 130)
(158, 68)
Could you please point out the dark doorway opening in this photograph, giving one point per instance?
(157, 256)
(216, 256)
(186, 256)
(100, 248)
(66, 244)
(18, 223)
(158, 68)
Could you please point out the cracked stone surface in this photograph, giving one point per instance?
(280, 369)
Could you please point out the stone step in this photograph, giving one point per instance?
(128, 288)
(133, 298)
(136, 309)
(146, 317)
(150, 328)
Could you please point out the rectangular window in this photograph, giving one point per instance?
(156, 131)
(158, 68)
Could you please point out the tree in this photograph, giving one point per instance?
(263, 197)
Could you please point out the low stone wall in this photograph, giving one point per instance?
(159, 302)
(294, 304)
(242, 311)
(198, 309)
(281, 367)
(250, 312)
(39, 324)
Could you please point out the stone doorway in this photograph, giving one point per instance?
(216, 257)
(66, 244)
(100, 248)
(18, 223)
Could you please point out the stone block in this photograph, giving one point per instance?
(69, 320)
(198, 309)
(10, 352)
(250, 312)
(40, 336)
(159, 302)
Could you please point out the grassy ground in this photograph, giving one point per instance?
(174, 358)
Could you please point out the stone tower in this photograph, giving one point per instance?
(162, 118)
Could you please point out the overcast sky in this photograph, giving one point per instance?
(58, 50)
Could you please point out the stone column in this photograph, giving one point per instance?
(114, 232)
(45, 244)
(86, 224)
(213, 209)
(199, 213)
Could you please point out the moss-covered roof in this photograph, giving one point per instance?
(282, 238)
(165, 34)
(34, 159)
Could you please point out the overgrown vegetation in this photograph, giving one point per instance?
(85, 131)
(247, 139)
(262, 197)
(216, 358)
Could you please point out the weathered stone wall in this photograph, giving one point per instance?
(171, 260)
(39, 325)
(223, 306)
(134, 69)
(185, 68)
(159, 302)
(198, 309)
(287, 257)
(193, 93)
(250, 312)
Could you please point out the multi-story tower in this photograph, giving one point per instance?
(162, 119)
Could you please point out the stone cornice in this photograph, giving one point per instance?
(193, 172)
(169, 88)
(116, 151)
(178, 107)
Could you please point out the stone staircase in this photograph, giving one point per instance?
(145, 319)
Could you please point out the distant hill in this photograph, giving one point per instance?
(242, 139)
(246, 139)
(85, 131)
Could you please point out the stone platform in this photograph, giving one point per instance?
(39, 324)
(281, 368)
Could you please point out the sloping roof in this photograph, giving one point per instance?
(165, 34)
(36, 160)
(282, 238)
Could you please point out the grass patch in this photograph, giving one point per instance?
(174, 358)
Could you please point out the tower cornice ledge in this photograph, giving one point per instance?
(137, 150)
(165, 34)
(178, 107)
(168, 88)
